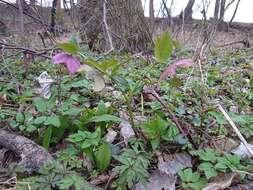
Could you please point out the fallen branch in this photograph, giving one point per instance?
(41, 53)
(236, 130)
(32, 156)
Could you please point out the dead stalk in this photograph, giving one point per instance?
(107, 27)
(236, 130)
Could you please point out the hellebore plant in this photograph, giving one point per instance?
(72, 63)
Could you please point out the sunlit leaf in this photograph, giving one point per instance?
(69, 47)
(163, 47)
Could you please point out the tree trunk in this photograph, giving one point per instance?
(21, 22)
(53, 16)
(32, 156)
(125, 20)
(222, 10)
(216, 10)
(187, 13)
(151, 14)
(235, 11)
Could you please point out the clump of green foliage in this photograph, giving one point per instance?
(78, 114)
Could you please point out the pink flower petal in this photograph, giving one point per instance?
(73, 65)
(60, 58)
(184, 63)
(171, 70)
(69, 61)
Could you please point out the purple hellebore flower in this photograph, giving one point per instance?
(69, 61)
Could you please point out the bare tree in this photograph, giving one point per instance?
(151, 13)
(187, 12)
(125, 20)
(235, 11)
(222, 10)
(21, 17)
(216, 10)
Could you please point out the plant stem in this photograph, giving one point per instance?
(130, 111)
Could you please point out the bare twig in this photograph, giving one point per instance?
(235, 11)
(26, 50)
(107, 27)
(151, 91)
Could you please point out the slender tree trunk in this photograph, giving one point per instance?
(188, 11)
(235, 11)
(222, 10)
(53, 16)
(151, 14)
(126, 22)
(216, 10)
(21, 17)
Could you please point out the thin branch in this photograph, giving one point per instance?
(235, 11)
(25, 13)
(107, 27)
(27, 50)
(236, 130)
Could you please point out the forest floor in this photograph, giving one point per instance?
(127, 121)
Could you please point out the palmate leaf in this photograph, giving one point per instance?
(163, 47)
(74, 181)
(208, 169)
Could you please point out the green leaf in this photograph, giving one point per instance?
(219, 117)
(103, 157)
(72, 111)
(171, 133)
(58, 132)
(208, 169)
(47, 137)
(86, 139)
(155, 143)
(163, 47)
(20, 117)
(105, 118)
(221, 165)
(176, 82)
(40, 104)
(69, 47)
(40, 120)
(53, 120)
(207, 155)
(188, 176)
(30, 128)
(101, 108)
